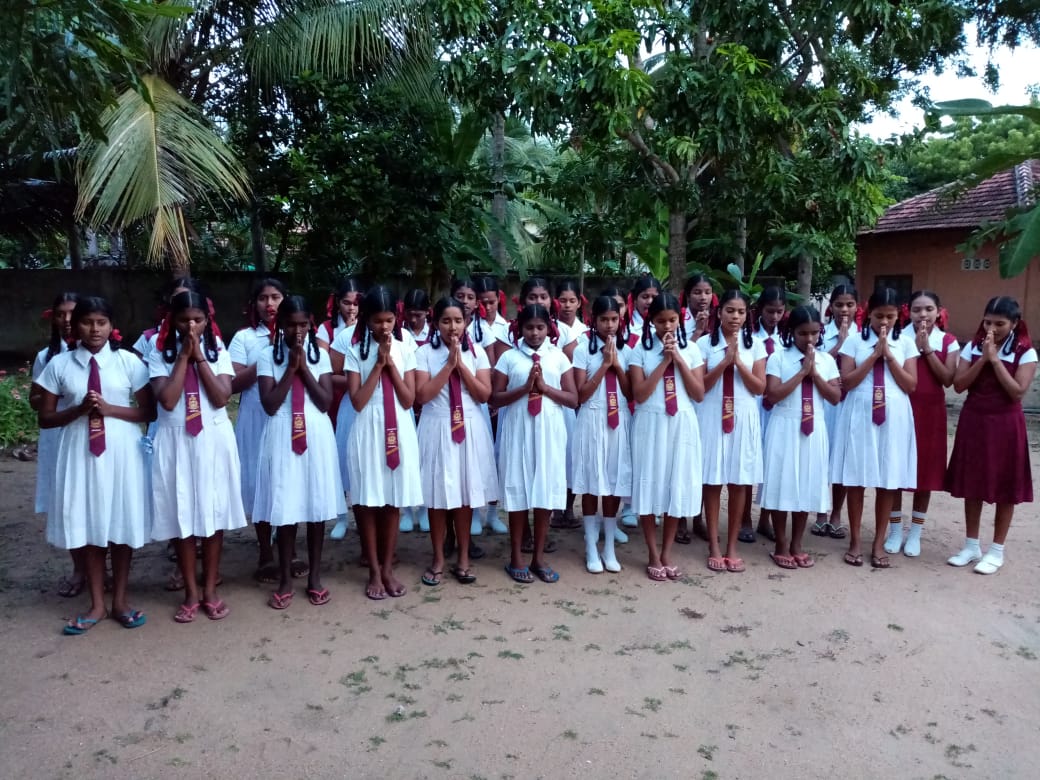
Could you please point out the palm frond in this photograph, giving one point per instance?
(159, 156)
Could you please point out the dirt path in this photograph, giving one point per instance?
(921, 671)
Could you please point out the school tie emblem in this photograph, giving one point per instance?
(613, 413)
(878, 406)
(807, 405)
(393, 452)
(534, 400)
(671, 402)
(192, 404)
(458, 422)
(96, 423)
(770, 348)
(299, 418)
(727, 398)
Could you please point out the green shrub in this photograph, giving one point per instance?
(17, 420)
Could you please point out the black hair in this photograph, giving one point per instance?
(1006, 306)
(663, 302)
(645, 282)
(529, 286)
(746, 331)
(533, 311)
(95, 304)
(258, 287)
(416, 299)
(378, 300)
(295, 304)
(54, 345)
(800, 315)
(613, 291)
(485, 283)
(600, 306)
(349, 284)
(442, 305)
(883, 296)
(458, 284)
(844, 289)
(570, 285)
(767, 296)
(692, 282)
(181, 302)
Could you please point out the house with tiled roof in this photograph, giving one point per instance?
(914, 244)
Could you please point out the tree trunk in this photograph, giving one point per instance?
(75, 252)
(676, 248)
(741, 242)
(498, 180)
(805, 268)
(256, 231)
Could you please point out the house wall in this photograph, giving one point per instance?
(931, 260)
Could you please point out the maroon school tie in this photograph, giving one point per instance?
(96, 421)
(299, 418)
(393, 451)
(807, 405)
(458, 421)
(770, 348)
(613, 413)
(192, 407)
(534, 400)
(878, 409)
(727, 398)
(671, 402)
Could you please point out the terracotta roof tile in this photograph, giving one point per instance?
(987, 201)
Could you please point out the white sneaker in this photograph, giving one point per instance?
(610, 563)
(339, 531)
(620, 537)
(628, 517)
(894, 539)
(989, 564)
(407, 524)
(965, 556)
(424, 520)
(912, 545)
(476, 524)
(496, 525)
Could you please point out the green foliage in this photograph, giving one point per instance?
(17, 420)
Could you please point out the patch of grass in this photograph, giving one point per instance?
(315, 707)
(630, 711)
(708, 751)
(692, 614)
(164, 702)
(677, 691)
(445, 764)
(510, 654)
(571, 607)
(448, 624)
(437, 743)
(383, 614)
(707, 774)
(562, 632)
(651, 704)
(570, 734)
(1025, 652)
(104, 755)
(895, 627)
(647, 734)
(680, 667)
(591, 646)
(954, 754)
(596, 692)
(375, 742)
(742, 630)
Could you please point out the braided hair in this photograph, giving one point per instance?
(768, 296)
(800, 315)
(489, 284)
(533, 311)
(1006, 306)
(182, 302)
(95, 304)
(883, 296)
(663, 302)
(600, 306)
(442, 305)
(349, 284)
(258, 287)
(468, 284)
(378, 300)
(295, 304)
(570, 285)
(54, 345)
(746, 333)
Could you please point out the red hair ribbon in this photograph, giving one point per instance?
(482, 311)
(943, 319)
(164, 331)
(213, 319)
(47, 314)
(399, 310)
(584, 308)
(861, 316)
(904, 314)
(116, 335)
(330, 305)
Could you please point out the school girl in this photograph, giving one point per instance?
(769, 312)
(98, 500)
(534, 384)
(341, 312)
(567, 306)
(570, 307)
(600, 456)
(382, 452)
(297, 468)
(244, 351)
(196, 484)
(937, 361)
(614, 292)
(453, 379)
(415, 308)
(843, 317)
(801, 379)
(61, 340)
(874, 445)
(667, 376)
(699, 304)
(491, 302)
(990, 460)
(731, 429)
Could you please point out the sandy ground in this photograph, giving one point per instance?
(921, 671)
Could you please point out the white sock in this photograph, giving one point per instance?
(895, 516)
(973, 544)
(919, 516)
(996, 551)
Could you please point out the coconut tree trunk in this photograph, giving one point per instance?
(741, 242)
(805, 268)
(256, 231)
(676, 248)
(498, 180)
(75, 249)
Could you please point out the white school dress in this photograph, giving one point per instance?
(296, 488)
(600, 456)
(372, 482)
(666, 449)
(97, 499)
(796, 474)
(772, 344)
(490, 332)
(196, 485)
(830, 340)
(733, 458)
(245, 349)
(532, 463)
(47, 446)
(455, 474)
(867, 455)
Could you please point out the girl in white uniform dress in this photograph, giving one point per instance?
(98, 497)
(731, 429)
(601, 455)
(383, 452)
(875, 445)
(245, 349)
(534, 385)
(196, 487)
(801, 381)
(667, 375)
(297, 468)
(453, 379)
(62, 339)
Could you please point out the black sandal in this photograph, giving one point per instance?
(463, 576)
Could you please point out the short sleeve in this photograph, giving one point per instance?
(408, 358)
(351, 364)
(141, 345)
(482, 361)
(625, 357)
(341, 343)
(49, 380)
(827, 366)
(157, 365)
(422, 359)
(637, 358)
(136, 370)
(952, 345)
(324, 362)
(848, 348)
(758, 349)
(1029, 356)
(265, 363)
(39, 364)
(223, 364)
(505, 363)
(694, 357)
(774, 364)
(581, 357)
(237, 349)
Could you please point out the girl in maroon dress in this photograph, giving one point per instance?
(990, 459)
(938, 352)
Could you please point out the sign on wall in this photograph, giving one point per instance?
(975, 264)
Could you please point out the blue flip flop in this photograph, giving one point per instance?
(132, 619)
(80, 625)
(521, 575)
(545, 574)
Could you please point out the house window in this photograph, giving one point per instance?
(903, 284)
